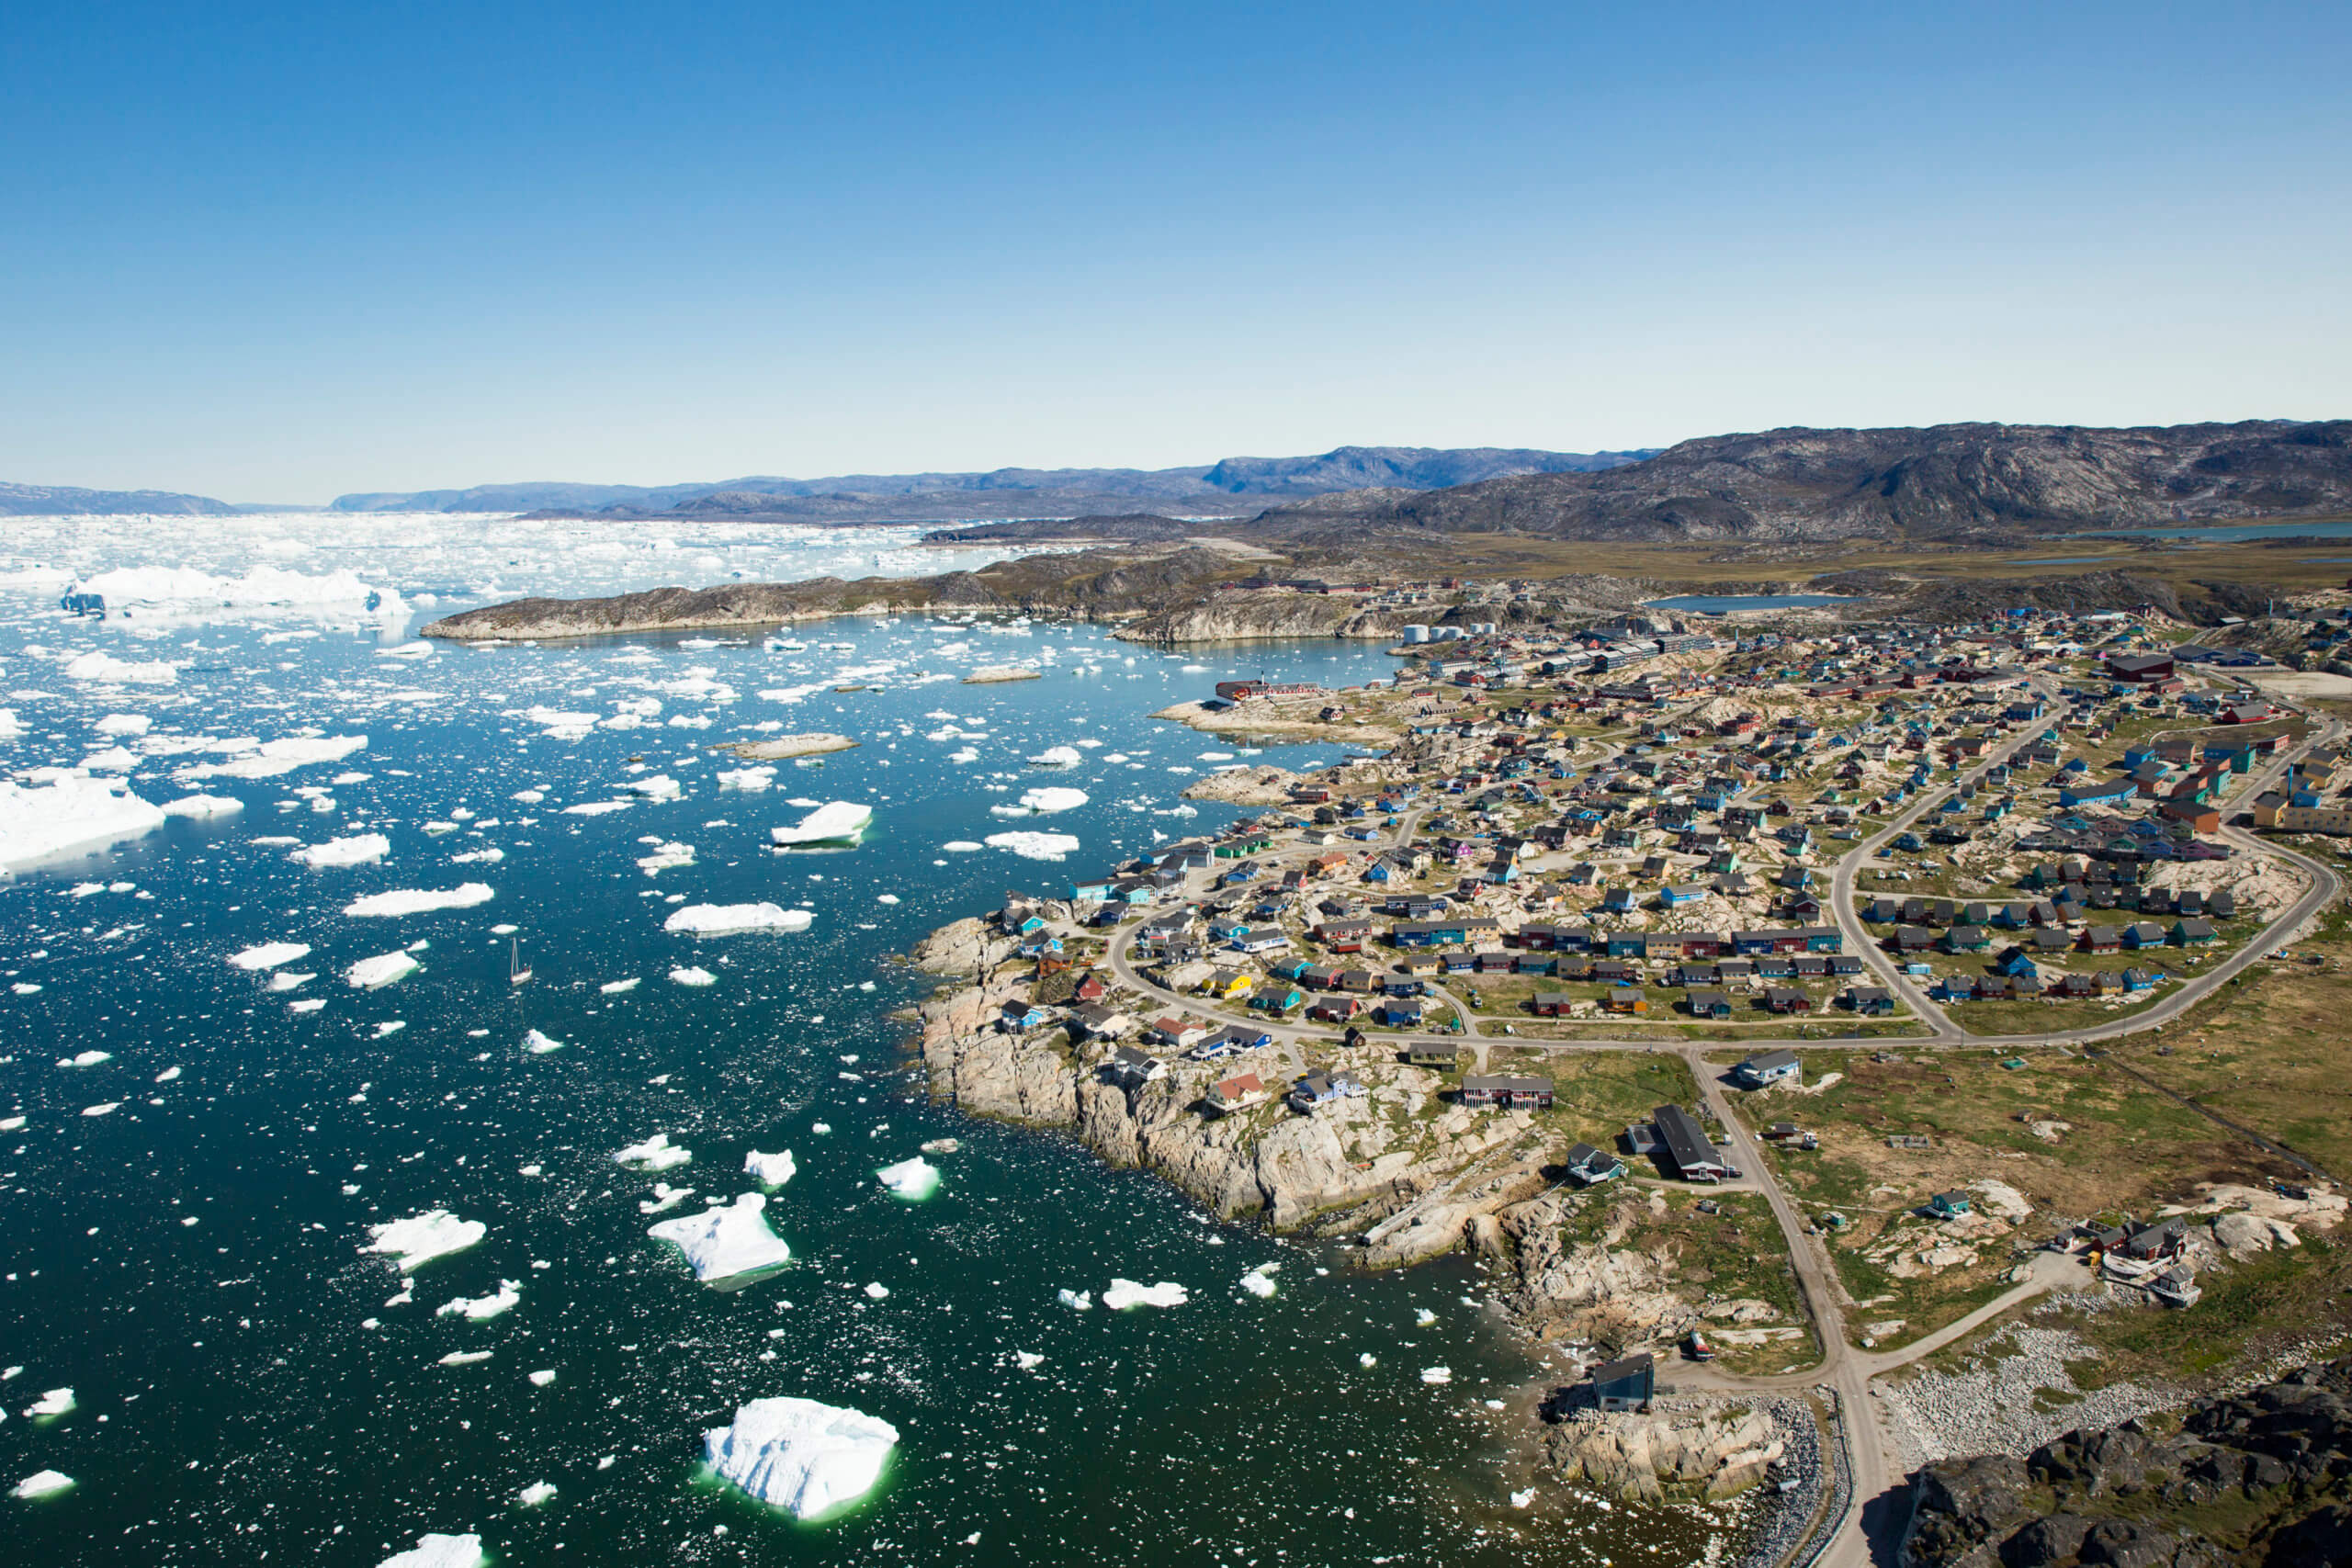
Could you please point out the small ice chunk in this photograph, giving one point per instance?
(169, 1074)
(877, 1290)
(464, 1357)
(85, 1059)
(1437, 1374)
(370, 973)
(656, 1153)
(772, 1170)
(418, 901)
(1057, 757)
(508, 1297)
(434, 1233)
(726, 1240)
(913, 1180)
(1034, 846)
(694, 975)
(837, 822)
(362, 849)
(1125, 1293)
(439, 1552)
(537, 1492)
(41, 1483)
(540, 1044)
(108, 1109)
(1260, 1281)
(269, 954)
(543, 1377)
(200, 808)
(1423, 1317)
(56, 1402)
(1027, 1361)
(801, 1454)
(1367, 1360)
(665, 1197)
(1521, 1499)
(291, 979)
(615, 987)
(724, 920)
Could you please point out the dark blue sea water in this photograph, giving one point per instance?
(189, 1262)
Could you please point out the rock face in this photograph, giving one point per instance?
(2255, 1480)
(1589, 1290)
(1649, 1457)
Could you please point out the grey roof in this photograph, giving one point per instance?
(1686, 1142)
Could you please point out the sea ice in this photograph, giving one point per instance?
(108, 1108)
(416, 901)
(439, 1552)
(41, 1483)
(543, 1377)
(772, 1170)
(1125, 1293)
(836, 822)
(962, 847)
(201, 806)
(124, 723)
(56, 1402)
(509, 1297)
(726, 1240)
(1057, 757)
(723, 919)
(100, 666)
(71, 812)
(913, 1180)
(1052, 799)
(693, 976)
(1034, 846)
(464, 1357)
(1260, 1281)
(537, 1492)
(85, 1059)
(434, 1233)
(539, 1044)
(275, 757)
(750, 780)
(358, 850)
(615, 988)
(878, 1292)
(1081, 1300)
(380, 970)
(656, 1153)
(801, 1454)
(1437, 1374)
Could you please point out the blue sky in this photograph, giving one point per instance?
(280, 252)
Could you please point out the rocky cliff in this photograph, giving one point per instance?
(2257, 1480)
(1712, 1452)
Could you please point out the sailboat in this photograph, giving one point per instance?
(515, 973)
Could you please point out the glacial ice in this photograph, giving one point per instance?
(358, 850)
(381, 970)
(537, 1492)
(837, 822)
(1079, 1301)
(801, 1454)
(201, 807)
(418, 1240)
(1437, 1374)
(666, 857)
(1125, 1293)
(1260, 1281)
(617, 988)
(508, 1297)
(750, 780)
(692, 975)
(656, 1153)
(726, 1240)
(55, 1403)
(1034, 846)
(1057, 757)
(772, 1170)
(419, 901)
(85, 1059)
(275, 757)
(106, 666)
(439, 1552)
(723, 919)
(41, 1483)
(539, 1044)
(1053, 798)
(185, 588)
(71, 812)
(913, 1180)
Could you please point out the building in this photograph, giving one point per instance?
(1588, 1166)
(1510, 1093)
(1626, 1384)
(1771, 1067)
(1686, 1144)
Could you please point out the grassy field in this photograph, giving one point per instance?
(1595, 1094)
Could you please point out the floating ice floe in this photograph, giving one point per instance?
(508, 1297)
(801, 1454)
(85, 1059)
(464, 1357)
(658, 787)
(724, 920)
(750, 780)
(1437, 1374)
(964, 847)
(692, 975)
(201, 807)
(1260, 1281)
(418, 1240)
(182, 588)
(1521, 1499)
(41, 1483)
(106, 668)
(381, 970)
(1032, 846)
(772, 1170)
(666, 857)
(537, 1492)
(1043, 802)
(665, 1197)
(1057, 757)
(617, 988)
(835, 823)
(71, 812)
(543, 1377)
(107, 1108)
(656, 1153)
(55, 1403)
(419, 901)
(290, 979)
(726, 1240)
(1077, 1300)
(125, 723)
(359, 850)
(275, 757)
(539, 1044)
(913, 1180)
(439, 1552)
(878, 1292)
(1125, 1293)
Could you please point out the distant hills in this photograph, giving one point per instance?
(1235, 487)
(1948, 481)
(69, 501)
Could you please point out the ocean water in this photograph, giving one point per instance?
(246, 1386)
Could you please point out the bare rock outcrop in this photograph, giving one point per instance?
(1597, 1290)
(1648, 1457)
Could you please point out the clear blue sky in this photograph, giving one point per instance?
(278, 252)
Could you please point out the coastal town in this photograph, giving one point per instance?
(1638, 957)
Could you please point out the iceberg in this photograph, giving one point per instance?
(1057, 757)
(73, 812)
(263, 587)
(1125, 1293)
(693, 976)
(275, 757)
(464, 1357)
(724, 920)
(617, 988)
(270, 955)
(660, 786)
(201, 807)
(508, 1297)
(41, 1483)
(96, 666)
(1260, 1281)
(837, 822)
(1078, 1300)
(1437, 1374)
(380, 970)
(750, 780)
(656, 1153)
(666, 857)
(439, 1552)
(358, 850)
(726, 1241)
(1034, 846)
(772, 1170)
(55, 1403)
(414, 901)
(539, 1044)
(434, 1233)
(537, 1492)
(1053, 798)
(801, 1454)
(913, 1180)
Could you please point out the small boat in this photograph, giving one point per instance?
(515, 973)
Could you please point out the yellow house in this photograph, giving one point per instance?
(1231, 985)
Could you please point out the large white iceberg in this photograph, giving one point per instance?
(801, 1454)
(723, 919)
(439, 1552)
(1125, 1293)
(358, 849)
(270, 955)
(725, 1240)
(1034, 846)
(71, 812)
(913, 1180)
(380, 970)
(275, 757)
(772, 1170)
(1052, 798)
(41, 1483)
(417, 901)
(185, 588)
(434, 1233)
(835, 822)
